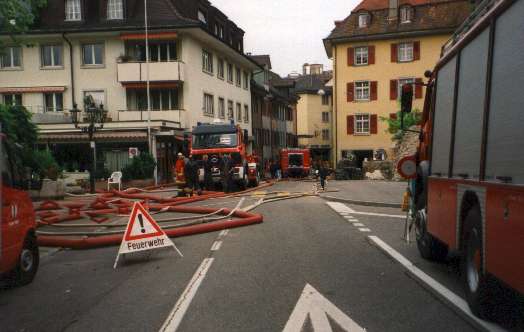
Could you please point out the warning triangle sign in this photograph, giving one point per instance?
(143, 233)
(141, 225)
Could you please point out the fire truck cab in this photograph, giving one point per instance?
(217, 139)
(295, 162)
(19, 255)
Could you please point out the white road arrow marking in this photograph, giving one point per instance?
(313, 304)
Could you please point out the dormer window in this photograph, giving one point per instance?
(73, 10)
(115, 9)
(363, 20)
(406, 14)
(202, 17)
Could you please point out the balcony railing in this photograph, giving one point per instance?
(132, 72)
(176, 116)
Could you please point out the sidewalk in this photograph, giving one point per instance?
(365, 192)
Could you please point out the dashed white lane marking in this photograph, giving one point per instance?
(224, 233)
(364, 230)
(358, 225)
(177, 314)
(216, 246)
(457, 303)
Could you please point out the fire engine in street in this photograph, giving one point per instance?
(217, 139)
(19, 255)
(469, 178)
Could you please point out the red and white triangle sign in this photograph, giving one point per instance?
(143, 233)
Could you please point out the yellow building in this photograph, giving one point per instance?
(380, 46)
(314, 113)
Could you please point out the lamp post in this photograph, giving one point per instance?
(94, 120)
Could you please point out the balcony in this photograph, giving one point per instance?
(135, 72)
(176, 116)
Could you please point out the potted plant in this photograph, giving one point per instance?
(123, 58)
(140, 172)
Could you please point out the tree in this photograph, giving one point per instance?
(410, 119)
(17, 16)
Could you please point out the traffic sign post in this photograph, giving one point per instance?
(143, 233)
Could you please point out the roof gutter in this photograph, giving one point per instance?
(72, 69)
(393, 35)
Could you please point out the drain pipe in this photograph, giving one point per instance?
(72, 69)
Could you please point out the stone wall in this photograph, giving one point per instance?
(406, 147)
(378, 169)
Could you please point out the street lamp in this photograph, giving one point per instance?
(94, 118)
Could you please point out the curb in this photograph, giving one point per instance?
(365, 203)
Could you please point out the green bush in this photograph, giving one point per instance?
(142, 167)
(410, 120)
(45, 165)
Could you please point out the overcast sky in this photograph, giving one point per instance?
(291, 31)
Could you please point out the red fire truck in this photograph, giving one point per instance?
(19, 255)
(469, 186)
(295, 162)
(217, 139)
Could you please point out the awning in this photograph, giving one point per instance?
(155, 36)
(99, 136)
(152, 85)
(33, 89)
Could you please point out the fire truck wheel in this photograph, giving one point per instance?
(473, 279)
(429, 247)
(28, 262)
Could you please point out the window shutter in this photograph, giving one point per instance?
(374, 90)
(351, 56)
(350, 124)
(394, 53)
(416, 50)
(393, 92)
(393, 116)
(374, 124)
(350, 92)
(103, 9)
(418, 88)
(371, 55)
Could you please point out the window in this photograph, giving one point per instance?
(73, 10)
(97, 96)
(363, 20)
(246, 80)
(208, 104)
(93, 54)
(361, 56)
(405, 14)
(115, 9)
(161, 99)
(246, 114)
(52, 56)
(221, 32)
(362, 90)
(230, 114)
(220, 70)
(13, 99)
(239, 78)
(325, 134)
(230, 73)
(11, 57)
(53, 102)
(402, 82)
(362, 124)
(202, 17)
(158, 51)
(405, 52)
(207, 62)
(221, 108)
(239, 112)
(325, 117)
(325, 99)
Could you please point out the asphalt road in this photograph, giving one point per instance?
(254, 282)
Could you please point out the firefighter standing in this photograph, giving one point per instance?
(227, 168)
(179, 168)
(191, 174)
(208, 176)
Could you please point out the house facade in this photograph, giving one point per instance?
(315, 111)
(197, 72)
(379, 47)
(274, 111)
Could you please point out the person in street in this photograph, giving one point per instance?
(227, 169)
(191, 174)
(273, 169)
(323, 172)
(208, 176)
(278, 170)
(179, 168)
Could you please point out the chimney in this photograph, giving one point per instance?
(305, 69)
(393, 10)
